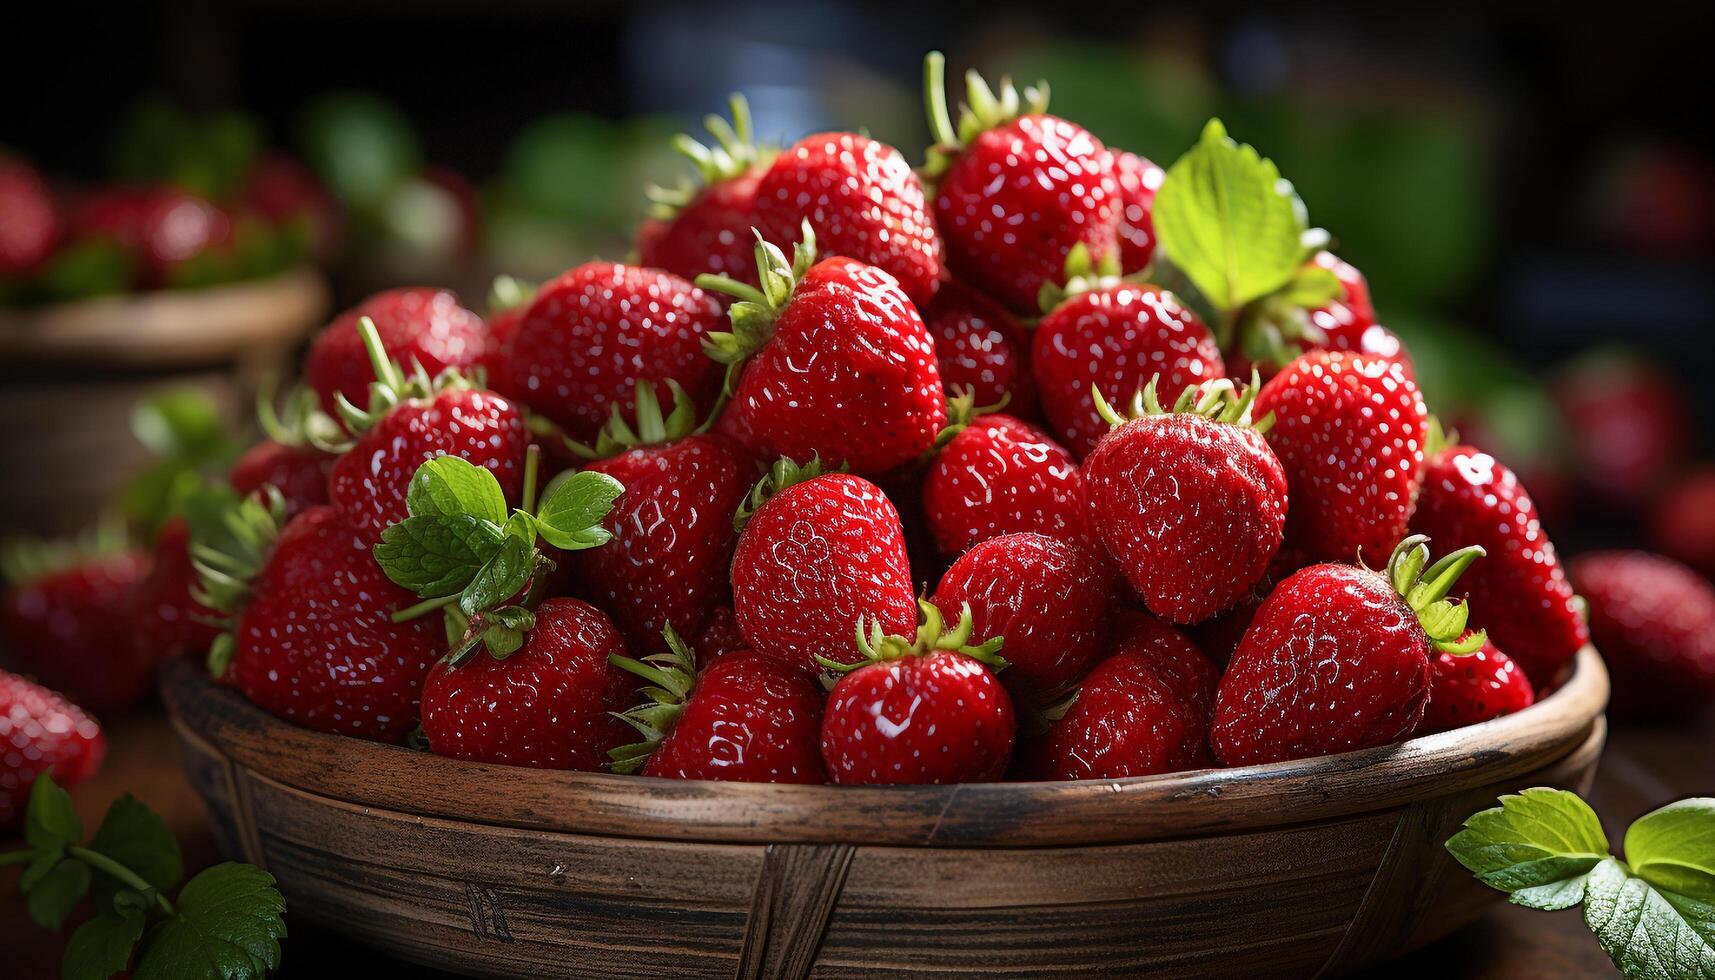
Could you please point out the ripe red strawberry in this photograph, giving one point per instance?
(287, 192)
(43, 733)
(1115, 338)
(672, 527)
(980, 349)
(418, 325)
(1627, 420)
(32, 227)
(67, 620)
(550, 704)
(1528, 605)
(1143, 710)
(167, 619)
(720, 633)
(1048, 598)
(864, 202)
(1337, 658)
(1190, 503)
(1466, 689)
(745, 718)
(1356, 300)
(998, 475)
(833, 361)
(1349, 430)
(920, 710)
(815, 554)
(300, 473)
(508, 300)
(1682, 521)
(1138, 181)
(314, 639)
(706, 228)
(590, 335)
(1016, 190)
(408, 423)
(1653, 619)
(163, 229)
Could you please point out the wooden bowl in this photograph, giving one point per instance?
(1314, 867)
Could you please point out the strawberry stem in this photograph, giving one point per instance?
(532, 464)
(113, 869)
(935, 95)
(386, 372)
(424, 608)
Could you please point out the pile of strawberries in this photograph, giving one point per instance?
(680, 517)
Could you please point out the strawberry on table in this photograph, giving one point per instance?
(745, 717)
(1653, 620)
(827, 359)
(706, 228)
(1190, 503)
(920, 709)
(43, 733)
(1349, 429)
(67, 619)
(982, 351)
(816, 553)
(1138, 181)
(417, 325)
(999, 475)
(1016, 189)
(1468, 688)
(1338, 657)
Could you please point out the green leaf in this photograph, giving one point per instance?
(227, 924)
(1313, 287)
(102, 946)
(1554, 896)
(1536, 838)
(449, 486)
(50, 821)
(53, 898)
(178, 423)
(573, 507)
(136, 836)
(1674, 848)
(1228, 221)
(44, 862)
(437, 554)
(503, 577)
(1648, 933)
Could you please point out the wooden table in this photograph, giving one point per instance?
(1643, 768)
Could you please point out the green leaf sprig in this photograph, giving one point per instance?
(1653, 912)
(462, 552)
(227, 922)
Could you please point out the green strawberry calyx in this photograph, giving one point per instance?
(508, 293)
(1425, 590)
(754, 314)
(984, 109)
(230, 540)
(785, 472)
(962, 410)
(299, 421)
(392, 386)
(672, 675)
(652, 428)
(1083, 274)
(876, 646)
(734, 153)
(1220, 400)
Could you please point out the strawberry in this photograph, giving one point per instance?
(1349, 430)
(288, 193)
(864, 202)
(1654, 621)
(1627, 420)
(33, 227)
(167, 619)
(998, 475)
(746, 718)
(1114, 338)
(590, 335)
(707, 229)
(1138, 180)
(1355, 289)
(66, 618)
(162, 228)
(720, 633)
(1466, 689)
(409, 420)
(1682, 520)
(313, 636)
(925, 709)
(43, 733)
(1337, 658)
(1528, 605)
(1016, 189)
(1190, 503)
(417, 325)
(549, 704)
(672, 527)
(508, 300)
(981, 351)
(831, 360)
(816, 553)
(1048, 598)
(1143, 710)
(300, 472)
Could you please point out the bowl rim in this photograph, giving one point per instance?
(223, 724)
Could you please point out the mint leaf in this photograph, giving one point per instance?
(449, 485)
(101, 947)
(503, 577)
(573, 507)
(136, 837)
(1649, 934)
(437, 554)
(1538, 838)
(1228, 221)
(59, 891)
(1674, 848)
(228, 923)
(50, 821)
